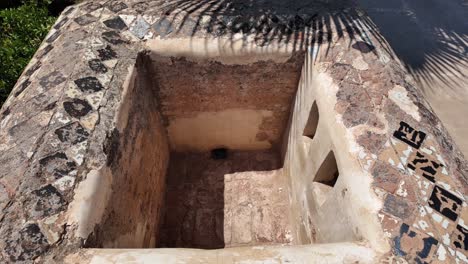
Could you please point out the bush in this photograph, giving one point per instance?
(22, 30)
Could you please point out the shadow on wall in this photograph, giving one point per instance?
(297, 23)
(430, 37)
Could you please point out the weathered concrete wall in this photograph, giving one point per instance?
(224, 102)
(323, 214)
(138, 158)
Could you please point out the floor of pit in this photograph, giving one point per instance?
(216, 203)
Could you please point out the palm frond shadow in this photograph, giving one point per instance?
(298, 24)
(302, 24)
(429, 38)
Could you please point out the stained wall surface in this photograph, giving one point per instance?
(240, 200)
(225, 103)
(138, 158)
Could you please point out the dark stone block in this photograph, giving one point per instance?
(6, 112)
(77, 107)
(53, 37)
(188, 27)
(116, 6)
(97, 66)
(140, 7)
(73, 133)
(92, 6)
(29, 243)
(89, 84)
(56, 165)
(61, 23)
(22, 87)
(385, 176)
(356, 115)
(33, 68)
(364, 47)
(52, 79)
(113, 37)
(85, 19)
(44, 51)
(48, 201)
(107, 53)
(115, 23)
(339, 71)
(372, 142)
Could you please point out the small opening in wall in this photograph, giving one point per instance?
(219, 153)
(328, 172)
(312, 122)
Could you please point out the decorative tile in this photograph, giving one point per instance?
(97, 66)
(62, 22)
(140, 27)
(89, 84)
(116, 6)
(113, 38)
(77, 107)
(115, 23)
(85, 19)
(72, 133)
(425, 165)
(54, 36)
(424, 187)
(409, 135)
(414, 245)
(460, 239)
(445, 203)
(107, 53)
(163, 27)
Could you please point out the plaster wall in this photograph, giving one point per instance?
(324, 214)
(138, 161)
(222, 100)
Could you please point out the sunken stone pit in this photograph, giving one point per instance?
(197, 163)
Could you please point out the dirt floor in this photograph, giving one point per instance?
(239, 200)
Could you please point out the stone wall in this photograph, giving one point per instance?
(223, 101)
(138, 157)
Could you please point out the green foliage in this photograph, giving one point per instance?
(22, 30)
